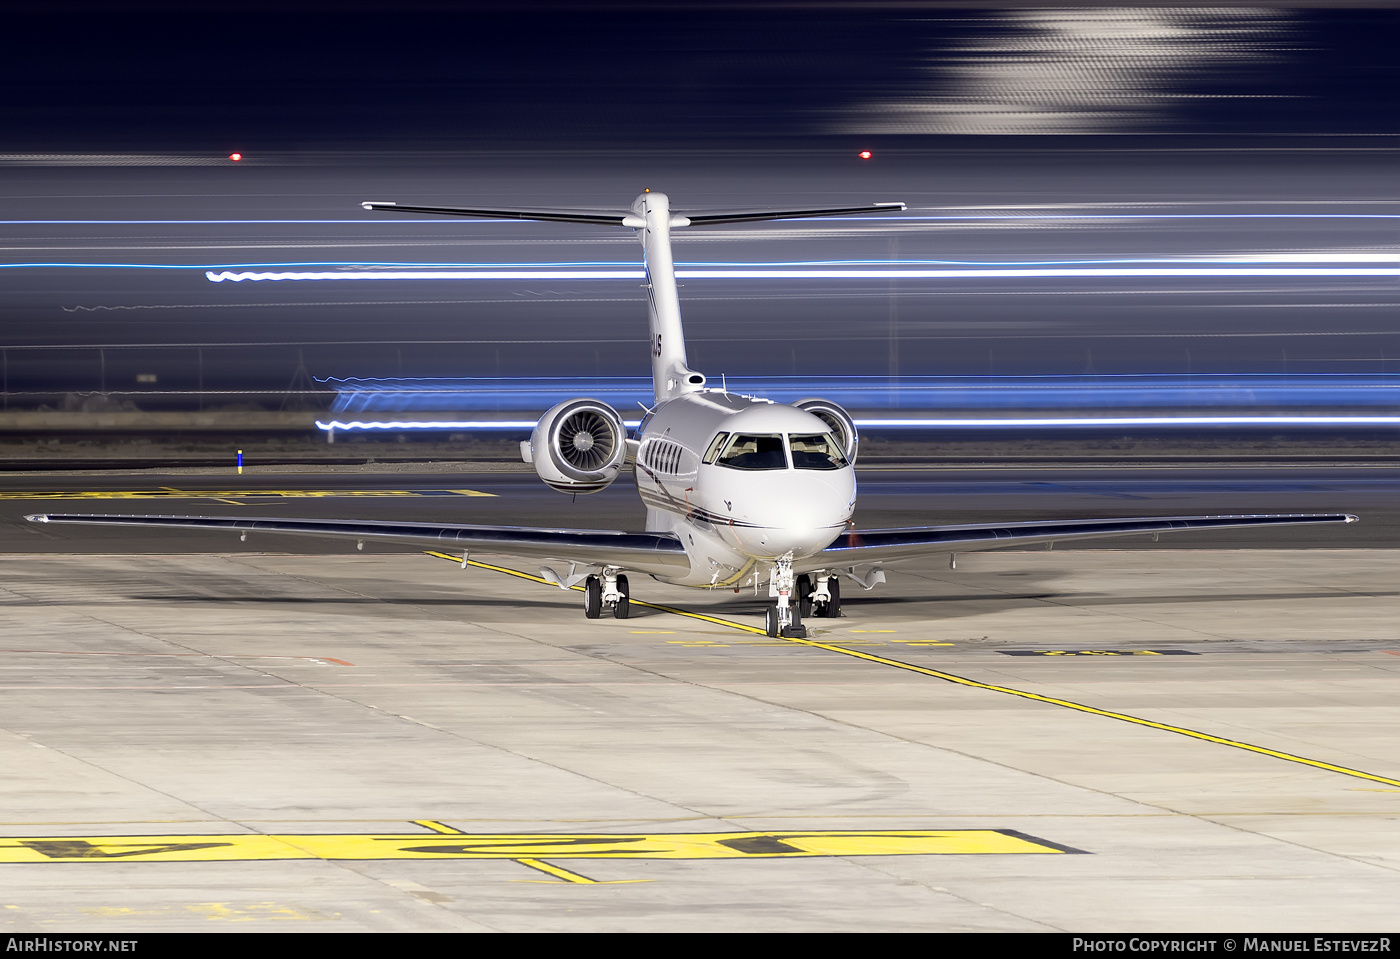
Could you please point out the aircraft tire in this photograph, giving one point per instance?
(770, 622)
(623, 609)
(804, 595)
(832, 608)
(795, 628)
(592, 597)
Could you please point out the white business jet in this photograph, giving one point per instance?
(740, 491)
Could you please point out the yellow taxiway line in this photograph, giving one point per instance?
(995, 688)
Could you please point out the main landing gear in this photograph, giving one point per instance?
(609, 591)
(819, 594)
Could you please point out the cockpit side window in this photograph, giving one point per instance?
(715, 445)
(754, 451)
(816, 451)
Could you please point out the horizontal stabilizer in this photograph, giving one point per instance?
(602, 217)
(885, 545)
(707, 219)
(606, 218)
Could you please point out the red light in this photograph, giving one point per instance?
(235, 157)
(865, 154)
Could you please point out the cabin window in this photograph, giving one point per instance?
(816, 451)
(754, 451)
(715, 445)
(663, 456)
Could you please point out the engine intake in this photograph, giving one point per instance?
(840, 422)
(579, 446)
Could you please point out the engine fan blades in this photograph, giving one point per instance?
(586, 440)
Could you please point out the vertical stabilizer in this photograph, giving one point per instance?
(670, 373)
(652, 218)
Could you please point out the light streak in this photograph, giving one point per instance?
(1096, 421)
(438, 425)
(1154, 395)
(436, 275)
(993, 217)
(1058, 422)
(807, 274)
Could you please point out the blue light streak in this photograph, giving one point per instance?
(922, 393)
(914, 402)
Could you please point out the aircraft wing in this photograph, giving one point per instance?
(860, 547)
(659, 553)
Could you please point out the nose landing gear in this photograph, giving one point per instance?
(609, 591)
(786, 618)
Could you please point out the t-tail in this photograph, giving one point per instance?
(652, 218)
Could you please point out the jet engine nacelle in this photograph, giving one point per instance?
(578, 446)
(839, 421)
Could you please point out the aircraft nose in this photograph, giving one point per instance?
(806, 518)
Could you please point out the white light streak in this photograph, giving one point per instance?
(224, 275)
(806, 274)
(1094, 421)
(439, 424)
(1055, 422)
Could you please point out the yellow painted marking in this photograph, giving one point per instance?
(1096, 652)
(1007, 690)
(436, 826)
(1095, 711)
(167, 493)
(532, 847)
(229, 912)
(563, 874)
(635, 602)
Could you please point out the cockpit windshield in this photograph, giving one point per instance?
(816, 451)
(754, 451)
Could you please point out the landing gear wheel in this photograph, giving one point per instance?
(804, 595)
(623, 607)
(770, 621)
(592, 597)
(832, 608)
(795, 629)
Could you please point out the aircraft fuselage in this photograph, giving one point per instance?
(742, 482)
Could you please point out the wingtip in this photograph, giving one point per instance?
(371, 204)
(1351, 517)
(38, 517)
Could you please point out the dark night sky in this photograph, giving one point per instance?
(262, 76)
(1192, 119)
